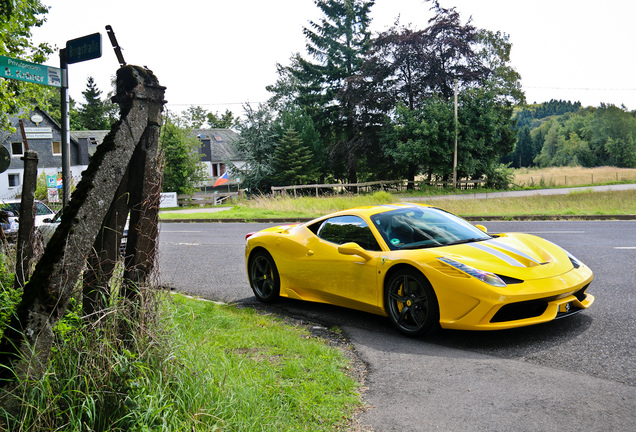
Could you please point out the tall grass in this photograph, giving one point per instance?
(574, 203)
(192, 365)
(571, 176)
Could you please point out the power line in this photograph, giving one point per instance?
(581, 88)
(211, 104)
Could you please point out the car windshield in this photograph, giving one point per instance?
(423, 227)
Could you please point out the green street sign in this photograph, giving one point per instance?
(21, 70)
(84, 48)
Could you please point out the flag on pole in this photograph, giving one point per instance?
(221, 180)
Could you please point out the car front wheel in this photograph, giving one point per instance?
(411, 303)
(264, 278)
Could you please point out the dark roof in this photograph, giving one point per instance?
(90, 139)
(221, 144)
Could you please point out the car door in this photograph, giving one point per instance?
(345, 280)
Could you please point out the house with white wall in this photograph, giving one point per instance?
(217, 151)
(44, 136)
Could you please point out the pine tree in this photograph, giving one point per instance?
(292, 161)
(93, 114)
(337, 43)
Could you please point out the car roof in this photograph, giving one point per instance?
(375, 209)
(14, 201)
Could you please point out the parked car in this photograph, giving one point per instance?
(12, 207)
(49, 225)
(421, 266)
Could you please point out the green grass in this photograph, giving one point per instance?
(574, 203)
(252, 372)
(195, 366)
(237, 212)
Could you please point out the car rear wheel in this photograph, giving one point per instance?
(264, 278)
(411, 303)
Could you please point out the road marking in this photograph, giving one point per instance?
(181, 244)
(554, 232)
(626, 247)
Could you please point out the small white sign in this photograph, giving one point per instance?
(39, 135)
(168, 199)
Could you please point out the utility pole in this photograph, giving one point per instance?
(456, 132)
(66, 127)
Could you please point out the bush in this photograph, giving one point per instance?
(9, 296)
(501, 177)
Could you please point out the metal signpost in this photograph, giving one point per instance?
(77, 50)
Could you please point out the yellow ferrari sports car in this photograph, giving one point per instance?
(419, 265)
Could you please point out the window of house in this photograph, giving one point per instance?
(218, 138)
(17, 149)
(14, 180)
(92, 141)
(57, 147)
(215, 170)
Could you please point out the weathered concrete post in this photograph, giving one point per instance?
(24, 249)
(47, 293)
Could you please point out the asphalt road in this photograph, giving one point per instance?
(568, 375)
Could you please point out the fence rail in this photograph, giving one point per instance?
(204, 199)
(381, 185)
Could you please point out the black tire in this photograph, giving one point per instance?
(410, 303)
(264, 278)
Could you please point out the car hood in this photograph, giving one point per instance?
(521, 256)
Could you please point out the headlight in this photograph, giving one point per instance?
(575, 261)
(484, 276)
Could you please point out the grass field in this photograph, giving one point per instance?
(574, 203)
(572, 176)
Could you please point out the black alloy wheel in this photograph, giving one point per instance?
(264, 278)
(411, 303)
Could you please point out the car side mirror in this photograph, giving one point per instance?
(354, 249)
(483, 228)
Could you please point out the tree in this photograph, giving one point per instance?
(500, 77)
(194, 117)
(614, 136)
(451, 53)
(417, 70)
(257, 144)
(93, 115)
(292, 161)
(18, 18)
(420, 139)
(182, 169)
(224, 121)
(337, 43)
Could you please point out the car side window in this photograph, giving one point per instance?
(41, 209)
(345, 229)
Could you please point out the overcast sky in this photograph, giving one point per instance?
(222, 53)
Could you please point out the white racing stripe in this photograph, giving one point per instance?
(513, 250)
(496, 253)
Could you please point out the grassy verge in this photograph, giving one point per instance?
(574, 203)
(195, 366)
(252, 372)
